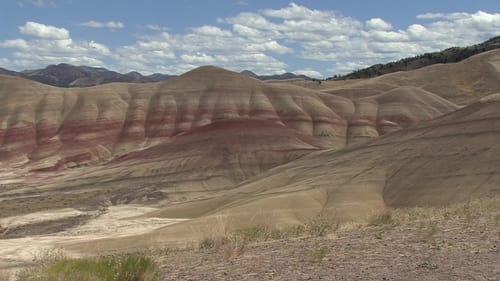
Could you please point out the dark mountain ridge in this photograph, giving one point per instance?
(68, 76)
(284, 76)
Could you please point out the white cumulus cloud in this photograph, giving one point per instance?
(198, 58)
(348, 44)
(294, 11)
(37, 3)
(98, 24)
(439, 16)
(309, 72)
(44, 31)
(19, 44)
(378, 24)
(268, 41)
(156, 27)
(51, 45)
(208, 30)
(4, 61)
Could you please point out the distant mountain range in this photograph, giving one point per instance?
(450, 55)
(67, 75)
(284, 76)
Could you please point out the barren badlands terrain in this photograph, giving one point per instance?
(134, 167)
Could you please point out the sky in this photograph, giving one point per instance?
(316, 38)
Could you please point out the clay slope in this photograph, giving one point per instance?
(209, 158)
(46, 129)
(451, 159)
(462, 83)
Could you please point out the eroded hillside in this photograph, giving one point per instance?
(214, 143)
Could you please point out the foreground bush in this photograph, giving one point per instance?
(111, 268)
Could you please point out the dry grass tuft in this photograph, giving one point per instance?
(381, 218)
(233, 243)
(467, 212)
(321, 226)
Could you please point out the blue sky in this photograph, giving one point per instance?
(316, 38)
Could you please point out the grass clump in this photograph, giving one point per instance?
(256, 233)
(321, 226)
(233, 243)
(467, 212)
(130, 267)
(380, 219)
(319, 254)
(230, 245)
(497, 219)
(213, 242)
(262, 233)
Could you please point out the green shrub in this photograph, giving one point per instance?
(110, 268)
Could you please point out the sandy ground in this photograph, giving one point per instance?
(115, 221)
(36, 217)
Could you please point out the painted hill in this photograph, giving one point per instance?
(220, 149)
(92, 124)
(443, 161)
(439, 162)
(191, 136)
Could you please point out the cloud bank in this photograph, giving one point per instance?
(294, 38)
